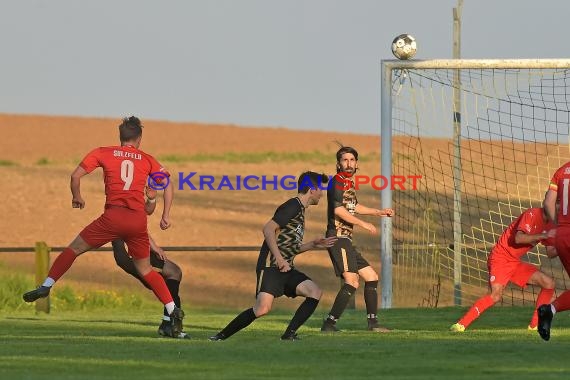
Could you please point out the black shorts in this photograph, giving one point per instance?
(125, 262)
(345, 258)
(271, 280)
(156, 262)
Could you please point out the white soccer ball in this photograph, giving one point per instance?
(404, 46)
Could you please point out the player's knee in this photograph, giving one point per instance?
(176, 273)
(76, 250)
(262, 310)
(374, 277)
(352, 283)
(496, 296)
(79, 246)
(143, 267)
(548, 283)
(315, 293)
(172, 271)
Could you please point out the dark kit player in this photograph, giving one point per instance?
(348, 263)
(276, 273)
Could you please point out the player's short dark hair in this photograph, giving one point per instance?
(346, 149)
(311, 180)
(130, 129)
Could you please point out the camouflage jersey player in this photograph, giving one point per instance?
(348, 263)
(276, 274)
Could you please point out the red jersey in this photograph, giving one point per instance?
(560, 183)
(126, 170)
(530, 222)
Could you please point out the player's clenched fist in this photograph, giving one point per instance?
(77, 203)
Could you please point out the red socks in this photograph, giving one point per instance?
(152, 278)
(476, 310)
(62, 264)
(158, 286)
(562, 302)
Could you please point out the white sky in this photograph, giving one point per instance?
(303, 64)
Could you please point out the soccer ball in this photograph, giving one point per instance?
(404, 46)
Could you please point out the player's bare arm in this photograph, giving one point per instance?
(150, 204)
(549, 205)
(343, 213)
(523, 238)
(363, 210)
(270, 231)
(168, 196)
(318, 243)
(75, 185)
(156, 248)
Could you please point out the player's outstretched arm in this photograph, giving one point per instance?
(168, 196)
(318, 243)
(343, 213)
(523, 238)
(363, 210)
(75, 186)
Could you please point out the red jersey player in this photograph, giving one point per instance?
(126, 170)
(505, 265)
(556, 206)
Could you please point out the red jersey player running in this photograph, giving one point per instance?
(126, 170)
(505, 265)
(556, 207)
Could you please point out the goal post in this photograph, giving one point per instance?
(386, 194)
(481, 166)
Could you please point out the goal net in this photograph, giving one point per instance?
(486, 137)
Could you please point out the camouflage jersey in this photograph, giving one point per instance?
(341, 192)
(290, 217)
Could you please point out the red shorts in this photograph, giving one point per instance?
(120, 223)
(502, 270)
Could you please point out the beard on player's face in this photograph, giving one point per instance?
(347, 164)
(346, 168)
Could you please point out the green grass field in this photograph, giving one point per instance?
(120, 344)
(111, 334)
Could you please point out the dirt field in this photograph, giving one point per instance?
(38, 154)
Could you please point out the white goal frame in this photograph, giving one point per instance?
(387, 68)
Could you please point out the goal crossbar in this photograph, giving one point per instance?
(478, 64)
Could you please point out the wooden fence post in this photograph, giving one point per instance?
(42, 266)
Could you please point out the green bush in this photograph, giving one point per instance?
(12, 286)
(63, 297)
